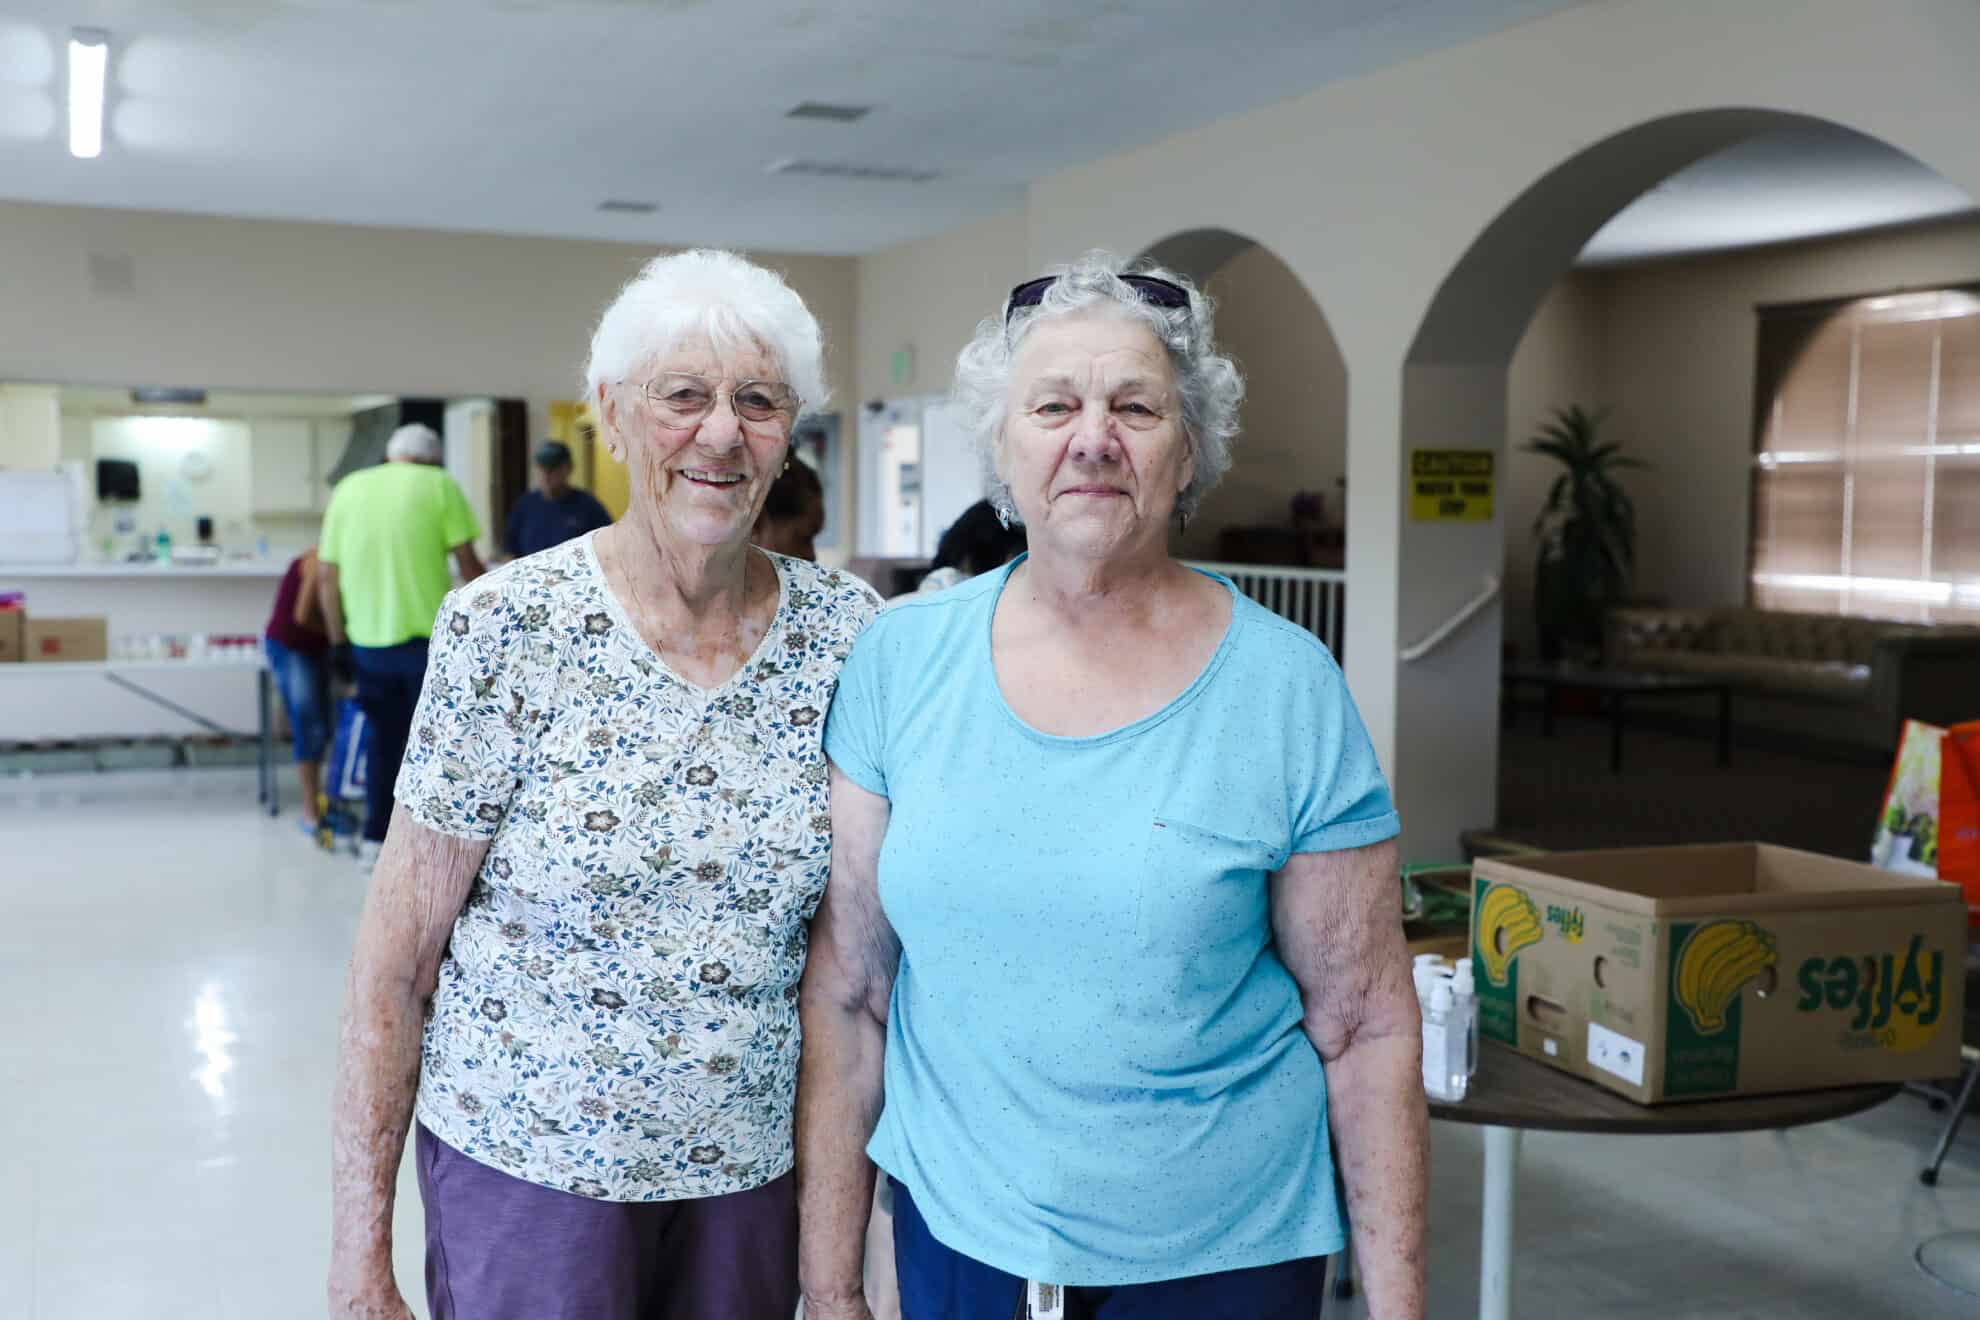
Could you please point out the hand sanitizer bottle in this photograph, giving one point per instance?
(1437, 1029)
(1424, 970)
(1464, 1028)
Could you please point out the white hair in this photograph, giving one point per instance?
(1209, 383)
(415, 442)
(732, 302)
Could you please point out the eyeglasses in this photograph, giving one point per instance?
(1156, 292)
(679, 401)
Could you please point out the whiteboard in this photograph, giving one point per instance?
(37, 518)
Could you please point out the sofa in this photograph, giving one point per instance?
(1826, 677)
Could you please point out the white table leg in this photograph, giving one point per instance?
(1495, 1238)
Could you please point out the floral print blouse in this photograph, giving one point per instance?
(616, 1014)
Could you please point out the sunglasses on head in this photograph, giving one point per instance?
(1156, 292)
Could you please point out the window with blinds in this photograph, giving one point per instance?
(1866, 470)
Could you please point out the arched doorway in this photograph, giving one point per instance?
(1455, 386)
(1293, 446)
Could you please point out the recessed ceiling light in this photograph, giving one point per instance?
(620, 206)
(842, 114)
(89, 62)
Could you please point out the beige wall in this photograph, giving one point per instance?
(1295, 406)
(1678, 366)
(265, 305)
(928, 298)
(1558, 362)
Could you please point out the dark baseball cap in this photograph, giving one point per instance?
(553, 453)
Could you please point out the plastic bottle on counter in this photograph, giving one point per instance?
(162, 547)
(1438, 1034)
(1464, 1027)
(1422, 968)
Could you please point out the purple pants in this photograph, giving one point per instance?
(499, 1248)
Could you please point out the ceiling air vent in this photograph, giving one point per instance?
(167, 394)
(832, 169)
(619, 206)
(838, 114)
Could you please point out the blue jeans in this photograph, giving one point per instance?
(389, 679)
(303, 681)
(940, 1284)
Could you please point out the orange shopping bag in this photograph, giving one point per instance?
(1959, 812)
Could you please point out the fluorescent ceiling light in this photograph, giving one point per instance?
(89, 62)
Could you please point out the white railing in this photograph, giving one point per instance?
(1487, 593)
(1313, 598)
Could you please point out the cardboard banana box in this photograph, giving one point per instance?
(1687, 973)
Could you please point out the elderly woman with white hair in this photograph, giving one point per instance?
(1109, 978)
(577, 968)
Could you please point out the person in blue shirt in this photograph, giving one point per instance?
(556, 511)
(1109, 976)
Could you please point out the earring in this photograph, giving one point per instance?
(787, 465)
(1183, 517)
(1004, 517)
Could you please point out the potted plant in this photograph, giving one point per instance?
(1585, 536)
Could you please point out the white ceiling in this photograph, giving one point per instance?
(521, 116)
(1790, 184)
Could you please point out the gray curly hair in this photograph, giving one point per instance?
(1209, 383)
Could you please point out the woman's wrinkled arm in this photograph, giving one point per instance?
(420, 884)
(1337, 921)
(848, 980)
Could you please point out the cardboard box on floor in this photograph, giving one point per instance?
(68, 640)
(12, 635)
(1687, 973)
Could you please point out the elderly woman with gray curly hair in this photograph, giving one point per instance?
(1109, 976)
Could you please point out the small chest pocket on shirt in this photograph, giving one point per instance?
(1200, 886)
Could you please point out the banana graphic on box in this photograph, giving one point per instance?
(1507, 923)
(1715, 964)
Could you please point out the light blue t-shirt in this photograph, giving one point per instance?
(1095, 1071)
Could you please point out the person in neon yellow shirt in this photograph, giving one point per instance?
(387, 537)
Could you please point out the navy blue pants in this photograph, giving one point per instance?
(940, 1284)
(389, 679)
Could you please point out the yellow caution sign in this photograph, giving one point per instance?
(1451, 485)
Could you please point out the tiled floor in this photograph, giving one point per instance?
(170, 969)
(171, 964)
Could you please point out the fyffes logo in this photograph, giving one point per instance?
(1897, 1002)
(1717, 961)
(1568, 921)
(1507, 923)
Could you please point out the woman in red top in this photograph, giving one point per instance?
(298, 654)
